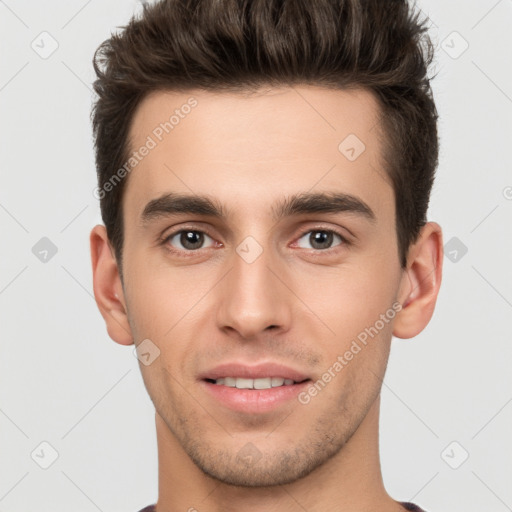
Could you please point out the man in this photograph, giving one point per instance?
(264, 175)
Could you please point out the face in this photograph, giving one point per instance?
(257, 283)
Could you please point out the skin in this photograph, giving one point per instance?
(249, 152)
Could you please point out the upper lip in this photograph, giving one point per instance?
(258, 371)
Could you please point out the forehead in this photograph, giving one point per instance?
(249, 149)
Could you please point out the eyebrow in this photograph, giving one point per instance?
(305, 203)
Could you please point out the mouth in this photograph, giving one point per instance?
(261, 383)
(253, 389)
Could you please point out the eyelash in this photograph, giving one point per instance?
(164, 240)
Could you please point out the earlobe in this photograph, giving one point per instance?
(108, 290)
(420, 283)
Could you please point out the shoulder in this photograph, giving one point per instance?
(149, 508)
(411, 507)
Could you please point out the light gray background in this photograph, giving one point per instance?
(64, 382)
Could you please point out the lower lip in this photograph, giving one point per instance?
(253, 400)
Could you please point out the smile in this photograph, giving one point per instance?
(243, 383)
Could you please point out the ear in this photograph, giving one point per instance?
(420, 283)
(108, 289)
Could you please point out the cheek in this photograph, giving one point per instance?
(350, 298)
(355, 302)
(159, 296)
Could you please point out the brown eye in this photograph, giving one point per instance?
(190, 240)
(321, 239)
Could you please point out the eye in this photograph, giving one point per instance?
(190, 240)
(321, 239)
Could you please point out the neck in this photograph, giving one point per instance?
(351, 480)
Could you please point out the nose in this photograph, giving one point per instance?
(253, 296)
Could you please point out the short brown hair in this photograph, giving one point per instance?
(236, 45)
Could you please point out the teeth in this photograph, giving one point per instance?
(244, 383)
(263, 383)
